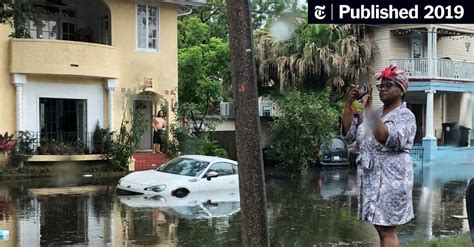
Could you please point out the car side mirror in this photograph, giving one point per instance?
(211, 174)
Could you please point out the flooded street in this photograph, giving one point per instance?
(318, 210)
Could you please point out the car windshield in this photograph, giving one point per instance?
(184, 166)
(337, 144)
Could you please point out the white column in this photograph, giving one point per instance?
(434, 38)
(429, 41)
(19, 80)
(110, 87)
(472, 119)
(429, 114)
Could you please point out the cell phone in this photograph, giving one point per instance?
(363, 90)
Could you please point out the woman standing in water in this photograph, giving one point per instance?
(384, 166)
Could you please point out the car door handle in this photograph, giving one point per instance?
(232, 182)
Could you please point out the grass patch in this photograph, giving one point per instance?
(463, 240)
(33, 170)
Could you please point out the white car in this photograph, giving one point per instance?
(181, 176)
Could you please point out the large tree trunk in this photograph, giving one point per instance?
(249, 156)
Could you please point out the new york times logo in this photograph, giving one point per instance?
(319, 12)
(434, 11)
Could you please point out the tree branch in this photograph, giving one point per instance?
(205, 112)
(194, 121)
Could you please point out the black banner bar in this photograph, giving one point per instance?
(393, 12)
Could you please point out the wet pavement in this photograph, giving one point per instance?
(318, 210)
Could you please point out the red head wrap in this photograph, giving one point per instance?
(396, 75)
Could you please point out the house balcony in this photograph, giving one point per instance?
(61, 57)
(446, 69)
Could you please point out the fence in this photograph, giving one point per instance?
(65, 138)
(417, 153)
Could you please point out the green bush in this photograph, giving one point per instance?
(185, 142)
(125, 142)
(181, 141)
(207, 146)
(303, 123)
(101, 139)
(24, 149)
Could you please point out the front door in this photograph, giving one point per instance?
(146, 107)
(416, 48)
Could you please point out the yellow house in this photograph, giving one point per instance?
(83, 58)
(439, 60)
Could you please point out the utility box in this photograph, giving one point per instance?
(455, 135)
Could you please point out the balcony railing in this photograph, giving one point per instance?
(446, 68)
(69, 139)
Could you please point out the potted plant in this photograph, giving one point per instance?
(71, 148)
(98, 139)
(44, 146)
(54, 147)
(80, 146)
(62, 148)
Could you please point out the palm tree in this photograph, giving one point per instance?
(315, 56)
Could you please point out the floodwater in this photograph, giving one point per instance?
(319, 210)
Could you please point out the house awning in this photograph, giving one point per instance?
(447, 86)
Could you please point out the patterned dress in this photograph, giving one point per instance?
(385, 171)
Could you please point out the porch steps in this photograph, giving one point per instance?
(148, 160)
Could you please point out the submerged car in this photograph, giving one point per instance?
(181, 176)
(336, 153)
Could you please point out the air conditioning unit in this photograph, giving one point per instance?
(186, 2)
(227, 110)
(265, 109)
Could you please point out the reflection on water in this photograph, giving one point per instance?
(317, 210)
(205, 205)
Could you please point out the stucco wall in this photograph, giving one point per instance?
(58, 57)
(132, 66)
(135, 66)
(7, 90)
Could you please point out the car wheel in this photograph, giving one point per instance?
(180, 193)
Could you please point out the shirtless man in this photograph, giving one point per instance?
(158, 124)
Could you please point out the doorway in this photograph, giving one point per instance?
(146, 107)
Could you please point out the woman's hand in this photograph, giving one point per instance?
(352, 94)
(367, 99)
